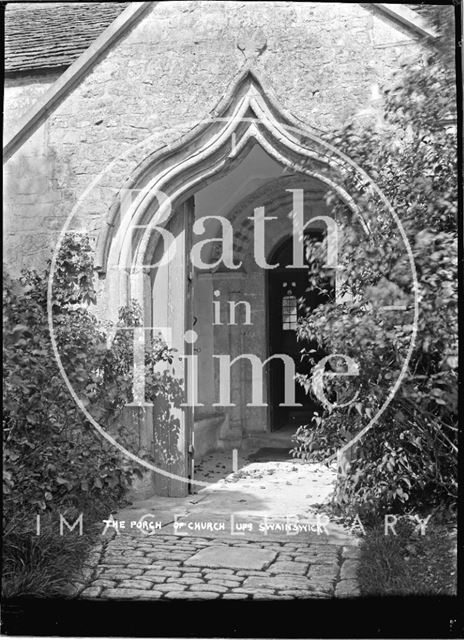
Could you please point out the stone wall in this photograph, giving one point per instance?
(22, 92)
(324, 61)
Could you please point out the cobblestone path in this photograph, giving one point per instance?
(177, 559)
(175, 567)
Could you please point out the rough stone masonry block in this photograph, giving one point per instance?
(349, 570)
(283, 582)
(131, 594)
(347, 589)
(289, 567)
(228, 557)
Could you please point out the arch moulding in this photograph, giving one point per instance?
(247, 115)
(159, 193)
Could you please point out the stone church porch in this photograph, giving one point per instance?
(206, 241)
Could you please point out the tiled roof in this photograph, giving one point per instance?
(54, 35)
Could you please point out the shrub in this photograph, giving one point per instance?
(54, 461)
(409, 458)
(53, 458)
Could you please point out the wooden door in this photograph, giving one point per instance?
(289, 298)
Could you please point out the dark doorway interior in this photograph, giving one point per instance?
(288, 293)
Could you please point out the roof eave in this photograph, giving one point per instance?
(399, 14)
(406, 18)
(59, 89)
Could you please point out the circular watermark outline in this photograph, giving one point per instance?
(305, 135)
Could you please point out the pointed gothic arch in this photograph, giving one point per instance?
(164, 185)
(247, 115)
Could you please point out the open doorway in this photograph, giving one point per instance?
(288, 294)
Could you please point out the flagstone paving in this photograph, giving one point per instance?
(196, 551)
(173, 567)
